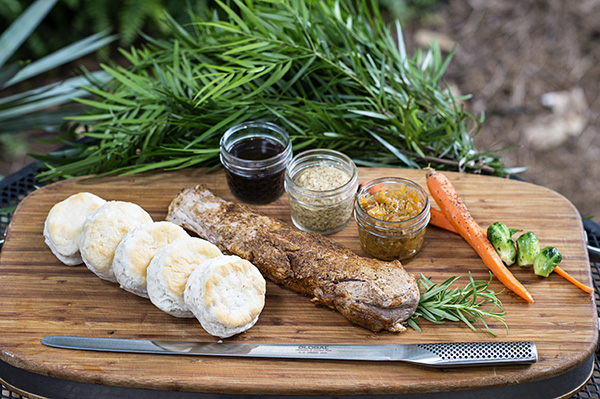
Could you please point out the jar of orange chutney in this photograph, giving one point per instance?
(392, 215)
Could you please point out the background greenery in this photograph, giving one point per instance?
(76, 20)
(71, 20)
(29, 99)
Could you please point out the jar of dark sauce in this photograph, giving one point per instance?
(255, 155)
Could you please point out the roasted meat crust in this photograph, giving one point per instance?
(374, 294)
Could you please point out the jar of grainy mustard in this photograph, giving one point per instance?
(392, 214)
(321, 185)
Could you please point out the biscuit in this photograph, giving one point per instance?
(64, 223)
(226, 294)
(136, 250)
(169, 270)
(102, 232)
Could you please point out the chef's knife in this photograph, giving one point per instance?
(435, 355)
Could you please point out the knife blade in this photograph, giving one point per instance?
(433, 355)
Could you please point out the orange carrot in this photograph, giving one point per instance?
(376, 188)
(443, 222)
(561, 272)
(445, 195)
(438, 219)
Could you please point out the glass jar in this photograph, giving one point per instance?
(392, 214)
(321, 185)
(255, 155)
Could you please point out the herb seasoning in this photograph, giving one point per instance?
(321, 178)
(255, 155)
(391, 214)
(321, 185)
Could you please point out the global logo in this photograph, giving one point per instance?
(313, 348)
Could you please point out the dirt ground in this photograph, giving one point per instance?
(533, 67)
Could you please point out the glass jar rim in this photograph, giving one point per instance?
(248, 164)
(384, 225)
(322, 156)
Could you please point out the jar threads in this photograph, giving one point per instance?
(255, 155)
(321, 185)
(388, 236)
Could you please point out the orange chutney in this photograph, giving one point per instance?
(391, 218)
(392, 206)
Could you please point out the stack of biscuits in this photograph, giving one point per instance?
(182, 275)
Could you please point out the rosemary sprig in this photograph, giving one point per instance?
(330, 72)
(440, 303)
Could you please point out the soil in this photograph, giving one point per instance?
(533, 68)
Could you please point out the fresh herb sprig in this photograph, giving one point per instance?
(332, 73)
(440, 303)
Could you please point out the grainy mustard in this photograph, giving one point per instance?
(321, 178)
(321, 185)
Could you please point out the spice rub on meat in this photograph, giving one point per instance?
(374, 294)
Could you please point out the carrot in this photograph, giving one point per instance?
(445, 195)
(561, 272)
(376, 188)
(443, 222)
(438, 219)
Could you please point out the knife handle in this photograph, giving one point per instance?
(472, 353)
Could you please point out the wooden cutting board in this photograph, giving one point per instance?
(39, 296)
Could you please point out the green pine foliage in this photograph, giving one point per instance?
(41, 106)
(330, 72)
(72, 20)
(133, 16)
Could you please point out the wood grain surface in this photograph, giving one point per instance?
(39, 296)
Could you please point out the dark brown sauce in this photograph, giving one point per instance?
(257, 189)
(262, 187)
(256, 149)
